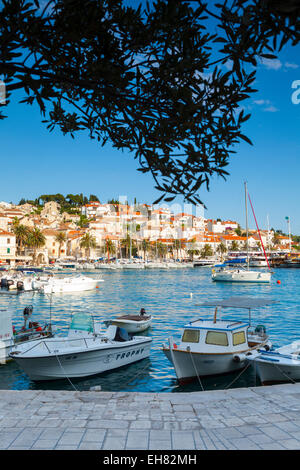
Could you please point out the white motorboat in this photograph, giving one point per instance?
(224, 274)
(132, 323)
(156, 265)
(83, 352)
(279, 365)
(214, 347)
(69, 284)
(258, 262)
(18, 281)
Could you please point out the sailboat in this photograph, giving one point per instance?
(224, 274)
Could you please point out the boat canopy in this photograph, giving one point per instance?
(239, 302)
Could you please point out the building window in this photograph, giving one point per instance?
(8, 250)
(217, 338)
(8, 241)
(191, 336)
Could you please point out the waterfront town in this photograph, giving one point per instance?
(35, 233)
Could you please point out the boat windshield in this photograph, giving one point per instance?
(82, 321)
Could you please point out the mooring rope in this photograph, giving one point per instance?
(66, 374)
(198, 377)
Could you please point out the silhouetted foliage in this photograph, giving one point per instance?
(152, 80)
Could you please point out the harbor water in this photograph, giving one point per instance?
(166, 295)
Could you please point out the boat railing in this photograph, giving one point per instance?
(63, 342)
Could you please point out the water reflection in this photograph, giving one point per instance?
(166, 295)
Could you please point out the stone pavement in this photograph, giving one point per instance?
(248, 418)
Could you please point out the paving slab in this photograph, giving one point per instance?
(246, 418)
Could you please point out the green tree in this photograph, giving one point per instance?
(110, 247)
(83, 221)
(146, 247)
(61, 238)
(193, 250)
(222, 248)
(151, 80)
(21, 232)
(234, 246)
(161, 250)
(177, 247)
(35, 240)
(206, 251)
(88, 242)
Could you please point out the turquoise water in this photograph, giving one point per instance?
(166, 295)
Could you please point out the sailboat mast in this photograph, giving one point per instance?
(246, 207)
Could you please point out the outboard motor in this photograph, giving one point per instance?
(260, 330)
(27, 312)
(20, 285)
(3, 282)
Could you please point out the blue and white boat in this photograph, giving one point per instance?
(280, 365)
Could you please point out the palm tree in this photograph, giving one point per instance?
(87, 242)
(177, 246)
(36, 239)
(146, 245)
(193, 250)
(127, 243)
(234, 246)
(206, 251)
(110, 247)
(21, 232)
(61, 238)
(222, 248)
(161, 249)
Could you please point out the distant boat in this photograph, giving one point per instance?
(68, 284)
(289, 263)
(223, 273)
(204, 262)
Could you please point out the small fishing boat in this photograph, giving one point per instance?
(132, 323)
(83, 352)
(280, 365)
(214, 347)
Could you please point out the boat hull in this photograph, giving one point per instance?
(84, 363)
(188, 366)
(246, 276)
(69, 287)
(272, 371)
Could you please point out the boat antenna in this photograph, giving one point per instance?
(259, 232)
(246, 207)
(50, 297)
(215, 315)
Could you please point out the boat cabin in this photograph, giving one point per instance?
(205, 336)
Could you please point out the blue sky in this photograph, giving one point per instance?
(35, 162)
